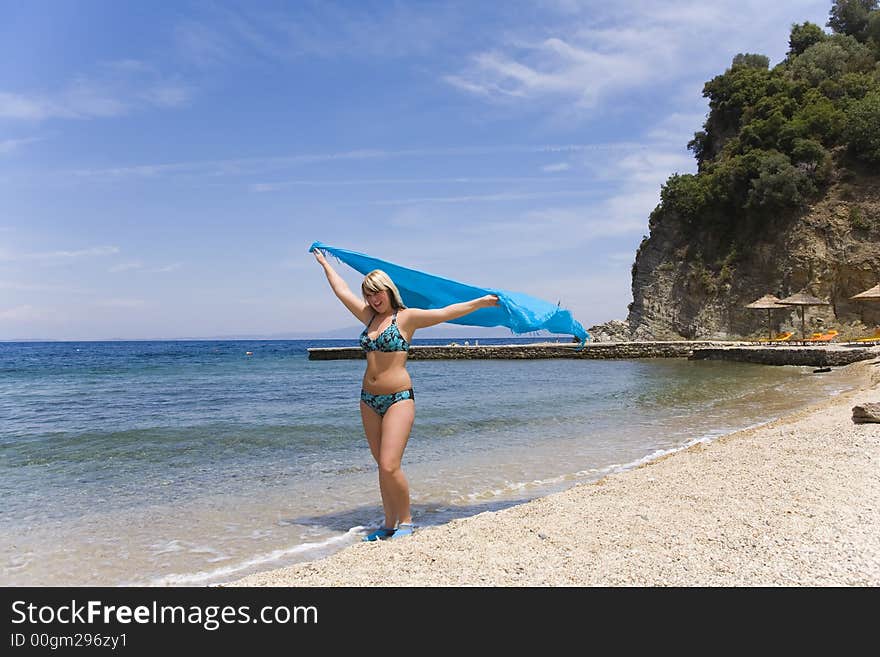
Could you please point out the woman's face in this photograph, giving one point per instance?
(378, 300)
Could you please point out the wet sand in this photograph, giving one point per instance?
(795, 502)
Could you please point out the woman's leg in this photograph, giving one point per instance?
(396, 427)
(373, 430)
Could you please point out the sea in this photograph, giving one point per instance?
(192, 463)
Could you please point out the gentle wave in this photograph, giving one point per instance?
(222, 574)
(594, 474)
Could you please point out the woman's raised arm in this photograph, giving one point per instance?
(417, 318)
(349, 299)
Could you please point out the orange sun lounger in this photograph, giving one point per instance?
(782, 337)
(870, 338)
(828, 336)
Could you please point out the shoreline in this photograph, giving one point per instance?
(795, 501)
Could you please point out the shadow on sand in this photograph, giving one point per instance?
(424, 515)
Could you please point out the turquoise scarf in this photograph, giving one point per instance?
(519, 312)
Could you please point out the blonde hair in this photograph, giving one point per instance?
(376, 281)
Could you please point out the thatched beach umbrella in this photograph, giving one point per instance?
(868, 295)
(801, 300)
(768, 302)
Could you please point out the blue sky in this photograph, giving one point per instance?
(165, 166)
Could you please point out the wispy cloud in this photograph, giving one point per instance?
(222, 36)
(619, 209)
(125, 266)
(140, 267)
(117, 88)
(620, 258)
(38, 287)
(167, 268)
(202, 44)
(262, 165)
(80, 101)
(80, 253)
(501, 197)
(647, 168)
(23, 313)
(97, 251)
(651, 168)
(590, 297)
(17, 106)
(678, 128)
(120, 303)
(228, 166)
(558, 166)
(593, 52)
(166, 95)
(539, 231)
(582, 72)
(529, 232)
(8, 146)
(278, 186)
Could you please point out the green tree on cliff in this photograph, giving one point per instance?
(863, 127)
(802, 37)
(851, 17)
(773, 135)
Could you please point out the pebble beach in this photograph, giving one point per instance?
(795, 502)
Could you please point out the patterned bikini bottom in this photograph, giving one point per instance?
(381, 403)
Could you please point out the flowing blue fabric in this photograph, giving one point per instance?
(519, 312)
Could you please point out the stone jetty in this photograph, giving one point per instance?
(823, 355)
(813, 355)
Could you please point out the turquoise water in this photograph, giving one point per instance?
(193, 463)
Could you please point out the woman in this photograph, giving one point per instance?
(387, 399)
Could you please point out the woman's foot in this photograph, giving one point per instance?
(379, 535)
(404, 529)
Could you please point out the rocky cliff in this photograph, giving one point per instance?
(786, 197)
(830, 249)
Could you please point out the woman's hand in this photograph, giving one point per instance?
(320, 257)
(490, 300)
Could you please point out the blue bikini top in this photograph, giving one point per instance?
(388, 340)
